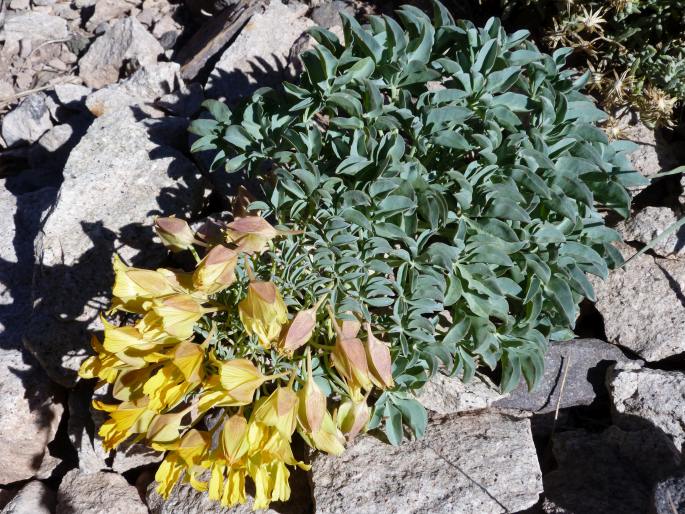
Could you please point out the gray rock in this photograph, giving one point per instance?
(328, 13)
(139, 90)
(34, 27)
(642, 306)
(612, 471)
(31, 412)
(587, 361)
(72, 96)
(84, 424)
(125, 41)
(28, 417)
(53, 148)
(653, 154)
(97, 493)
(669, 495)
(186, 500)
(260, 54)
(118, 177)
(107, 10)
(34, 498)
(446, 395)
(651, 222)
(466, 464)
(650, 396)
(28, 121)
(185, 102)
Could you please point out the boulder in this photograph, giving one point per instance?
(651, 222)
(611, 471)
(83, 427)
(650, 397)
(260, 54)
(140, 90)
(126, 41)
(97, 493)
(26, 122)
(34, 498)
(30, 411)
(467, 464)
(446, 395)
(669, 495)
(642, 305)
(184, 499)
(587, 361)
(120, 175)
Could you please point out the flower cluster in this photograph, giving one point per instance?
(212, 366)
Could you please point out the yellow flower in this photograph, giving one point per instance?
(240, 378)
(124, 419)
(279, 410)
(179, 313)
(352, 417)
(175, 233)
(263, 312)
(168, 474)
(379, 360)
(167, 387)
(328, 438)
(349, 359)
(164, 431)
(234, 443)
(216, 271)
(134, 287)
(252, 233)
(104, 365)
(120, 339)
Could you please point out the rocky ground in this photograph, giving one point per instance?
(95, 100)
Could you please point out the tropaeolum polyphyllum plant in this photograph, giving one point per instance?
(210, 367)
(429, 185)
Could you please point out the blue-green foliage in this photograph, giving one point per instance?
(447, 179)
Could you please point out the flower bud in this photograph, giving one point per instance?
(298, 332)
(263, 312)
(312, 408)
(234, 443)
(216, 271)
(175, 233)
(279, 410)
(349, 359)
(253, 233)
(353, 417)
(179, 313)
(380, 362)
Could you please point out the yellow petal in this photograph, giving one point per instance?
(240, 378)
(216, 271)
(263, 312)
(179, 313)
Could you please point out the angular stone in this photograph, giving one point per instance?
(446, 395)
(587, 361)
(260, 54)
(35, 27)
(34, 498)
(119, 176)
(650, 397)
(84, 424)
(651, 222)
(612, 471)
(107, 10)
(140, 90)
(97, 493)
(72, 96)
(642, 305)
(467, 464)
(669, 495)
(125, 41)
(26, 122)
